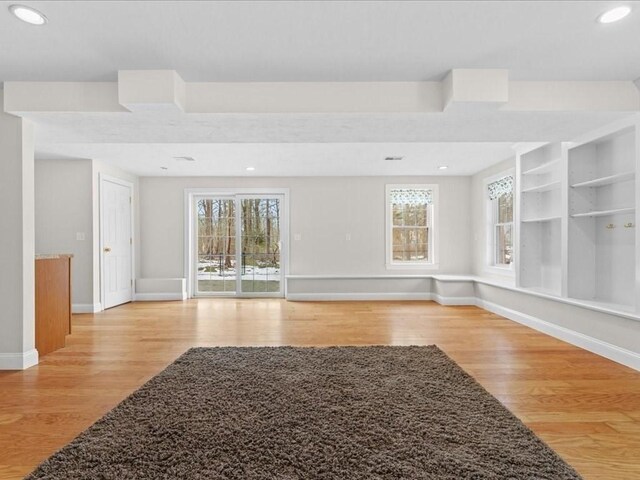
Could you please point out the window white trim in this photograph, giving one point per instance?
(432, 264)
(489, 217)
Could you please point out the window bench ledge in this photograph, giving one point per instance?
(611, 309)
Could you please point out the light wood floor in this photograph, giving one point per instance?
(587, 408)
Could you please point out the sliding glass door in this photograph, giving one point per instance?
(239, 248)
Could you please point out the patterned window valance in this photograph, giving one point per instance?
(501, 187)
(411, 196)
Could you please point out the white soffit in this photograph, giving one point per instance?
(490, 126)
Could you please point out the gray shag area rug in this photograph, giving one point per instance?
(308, 413)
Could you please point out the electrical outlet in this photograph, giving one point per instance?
(297, 237)
(80, 236)
(348, 236)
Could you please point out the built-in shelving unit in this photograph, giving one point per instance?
(539, 200)
(602, 245)
(577, 209)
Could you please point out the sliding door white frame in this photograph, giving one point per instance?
(190, 195)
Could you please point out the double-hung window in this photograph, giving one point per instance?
(500, 216)
(411, 235)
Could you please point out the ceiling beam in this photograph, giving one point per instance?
(151, 90)
(467, 89)
(461, 91)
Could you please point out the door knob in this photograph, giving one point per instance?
(107, 249)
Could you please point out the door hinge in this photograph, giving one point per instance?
(130, 241)
(129, 199)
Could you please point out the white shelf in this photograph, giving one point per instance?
(541, 219)
(608, 180)
(544, 168)
(542, 188)
(603, 213)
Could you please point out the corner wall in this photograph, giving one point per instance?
(17, 262)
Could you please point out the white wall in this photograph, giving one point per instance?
(478, 246)
(63, 199)
(17, 263)
(322, 210)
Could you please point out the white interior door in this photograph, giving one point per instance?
(117, 243)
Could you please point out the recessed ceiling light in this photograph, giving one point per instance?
(393, 159)
(614, 14)
(442, 167)
(250, 169)
(28, 14)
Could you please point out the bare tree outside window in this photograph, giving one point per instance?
(259, 262)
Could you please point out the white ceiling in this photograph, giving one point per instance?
(319, 40)
(291, 159)
(313, 41)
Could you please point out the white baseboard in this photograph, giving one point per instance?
(604, 349)
(339, 297)
(159, 297)
(86, 307)
(18, 361)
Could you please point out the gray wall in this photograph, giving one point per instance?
(17, 278)
(64, 208)
(323, 210)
